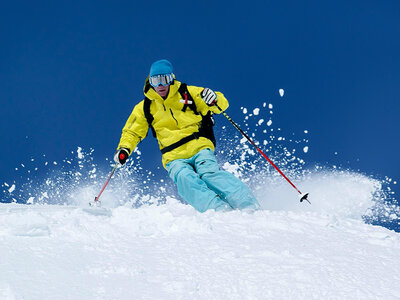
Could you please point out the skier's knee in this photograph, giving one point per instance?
(205, 168)
(178, 169)
(182, 172)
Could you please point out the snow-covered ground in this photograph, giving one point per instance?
(136, 246)
(171, 251)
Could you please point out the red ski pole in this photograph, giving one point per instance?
(302, 196)
(96, 199)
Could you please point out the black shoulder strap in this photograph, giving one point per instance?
(148, 115)
(183, 90)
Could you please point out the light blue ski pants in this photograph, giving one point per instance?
(204, 186)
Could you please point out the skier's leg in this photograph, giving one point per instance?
(235, 192)
(192, 188)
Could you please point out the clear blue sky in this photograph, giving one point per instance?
(71, 72)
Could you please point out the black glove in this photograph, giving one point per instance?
(121, 156)
(209, 96)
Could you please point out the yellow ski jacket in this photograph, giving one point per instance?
(170, 123)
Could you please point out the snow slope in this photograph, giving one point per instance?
(144, 245)
(172, 252)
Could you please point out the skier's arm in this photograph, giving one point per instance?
(202, 106)
(135, 129)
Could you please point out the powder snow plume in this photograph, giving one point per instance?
(333, 190)
(144, 243)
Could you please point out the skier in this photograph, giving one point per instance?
(180, 117)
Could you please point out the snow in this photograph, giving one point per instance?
(158, 250)
(173, 252)
(142, 244)
(11, 189)
(80, 153)
(281, 92)
(256, 111)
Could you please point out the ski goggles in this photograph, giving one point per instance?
(164, 80)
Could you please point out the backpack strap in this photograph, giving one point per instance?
(148, 115)
(189, 102)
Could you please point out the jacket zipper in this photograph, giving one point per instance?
(173, 116)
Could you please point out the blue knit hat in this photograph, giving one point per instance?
(160, 67)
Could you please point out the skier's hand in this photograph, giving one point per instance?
(209, 96)
(120, 156)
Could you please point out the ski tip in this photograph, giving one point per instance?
(304, 197)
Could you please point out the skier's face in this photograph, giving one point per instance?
(162, 90)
